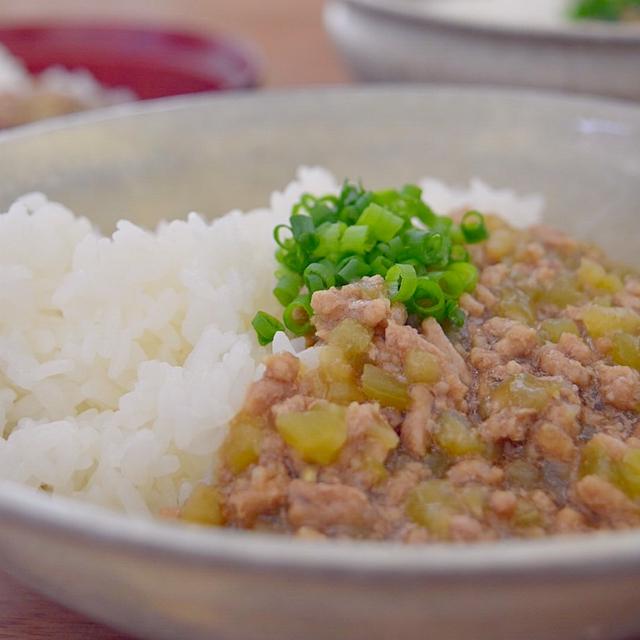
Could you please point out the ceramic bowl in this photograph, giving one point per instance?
(164, 159)
(150, 61)
(415, 41)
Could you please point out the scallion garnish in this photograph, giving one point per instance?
(473, 227)
(337, 240)
(297, 316)
(287, 288)
(318, 276)
(402, 282)
(611, 10)
(428, 299)
(266, 327)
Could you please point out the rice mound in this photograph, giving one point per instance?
(123, 358)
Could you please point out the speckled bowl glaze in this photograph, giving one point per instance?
(405, 41)
(210, 154)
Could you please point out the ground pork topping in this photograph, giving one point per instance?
(523, 422)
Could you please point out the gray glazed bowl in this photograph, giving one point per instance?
(161, 160)
(406, 41)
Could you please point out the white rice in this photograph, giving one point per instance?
(521, 211)
(122, 359)
(75, 83)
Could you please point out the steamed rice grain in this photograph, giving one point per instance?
(123, 358)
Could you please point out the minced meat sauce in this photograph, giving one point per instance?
(525, 422)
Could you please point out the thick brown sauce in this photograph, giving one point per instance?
(523, 423)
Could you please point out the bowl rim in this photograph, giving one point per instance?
(586, 32)
(140, 108)
(82, 524)
(23, 510)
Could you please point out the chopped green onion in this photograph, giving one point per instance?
(425, 214)
(334, 240)
(293, 260)
(457, 237)
(380, 265)
(442, 224)
(437, 247)
(610, 10)
(297, 316)
(459, 253)
(396, 247)
(328, 236)
(356, 239)
(414, 244)
(468, 272)
(276, 235)
(411, 191)
(428, 299)
(383, 224)
(321, 214)
(363, 201)
(266, 327)
(287, 288)
(351, 269)
(318, 276)
(302, 228)
(451, 283)
(402, 282)
(473, 227)
(454, 313)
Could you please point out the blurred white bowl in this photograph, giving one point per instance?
(500, 42)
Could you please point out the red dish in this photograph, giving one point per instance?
(152, 62)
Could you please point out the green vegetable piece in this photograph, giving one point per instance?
(609, 10)
(422, 366)
(241, 447)
(386, 389)
(266, 327)
(455, 436)
(629, 471)
(603, 321)
(467, 272)
(351, 269)
(318, 276)
(451, 283)
(328, 238)
(351, 337)
(553, 328)
(626, 350)
(402, 282)
(288, 288)
(525, 391)
(383, 224)
(203, 506)
(278, 230)
(303, 228)
(317, 435)
(411, 191)
(356, 239)
(297, 316)
(473, 227)
(432, 504)
(335, 240)
(428, 299)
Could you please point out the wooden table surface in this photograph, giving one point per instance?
(295, 51)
